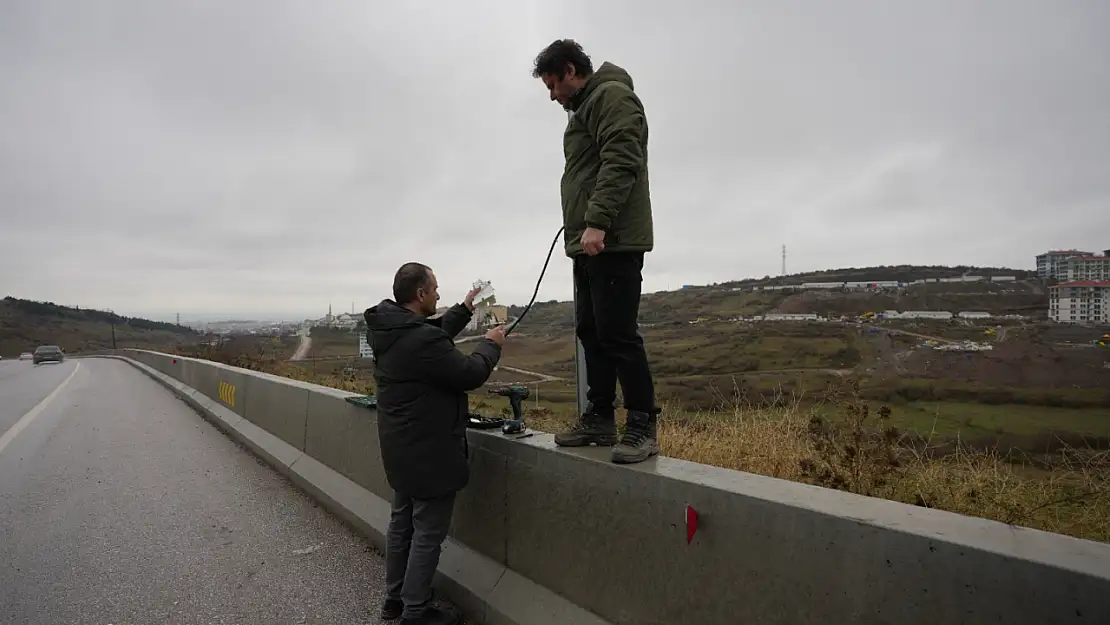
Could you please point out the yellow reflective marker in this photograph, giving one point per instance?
(227, 393)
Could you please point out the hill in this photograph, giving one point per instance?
(26, 324)
(1023, 296)
(884, 273)
(1012, 373)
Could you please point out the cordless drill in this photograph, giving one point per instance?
(516, 394)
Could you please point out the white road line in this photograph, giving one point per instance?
(26, 419)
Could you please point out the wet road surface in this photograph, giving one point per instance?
(120, 505)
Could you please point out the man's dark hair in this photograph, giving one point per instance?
(410, 278)
(554, 58)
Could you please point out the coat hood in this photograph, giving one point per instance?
(388, 322)
(607, 72)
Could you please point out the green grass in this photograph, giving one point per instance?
(676, 350)
(970, 419)
(329, 342)
(899, 391)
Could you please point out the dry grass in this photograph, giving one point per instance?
(334, 375)
(704, 349)
(1067, 492)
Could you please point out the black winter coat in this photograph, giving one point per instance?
(422, 381)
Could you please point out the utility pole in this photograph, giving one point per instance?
(112, 320)
(784, 259)
(580, 380)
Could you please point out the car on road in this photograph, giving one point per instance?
(45, 353)
(26, 356)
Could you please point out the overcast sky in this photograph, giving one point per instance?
(257, 156)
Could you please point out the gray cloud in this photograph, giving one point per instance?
(274, 156)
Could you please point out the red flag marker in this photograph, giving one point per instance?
(691, 523)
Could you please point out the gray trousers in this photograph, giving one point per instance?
(417, 529)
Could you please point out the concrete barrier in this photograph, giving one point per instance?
(278, 405)
(344, 437)
(583, 538)
(613, 539)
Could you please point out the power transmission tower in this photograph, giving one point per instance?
(784, 259)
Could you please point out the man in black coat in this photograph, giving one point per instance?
(422, 380)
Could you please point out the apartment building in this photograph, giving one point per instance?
(1081, 301)
(1053, 265)
(1090, 267)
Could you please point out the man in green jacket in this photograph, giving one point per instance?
(607, 216)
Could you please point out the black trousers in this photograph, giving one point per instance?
(608, 292)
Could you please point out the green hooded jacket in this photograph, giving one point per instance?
(605, 181)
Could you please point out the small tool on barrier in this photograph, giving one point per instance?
(516, 394)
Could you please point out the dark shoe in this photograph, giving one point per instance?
(432, 616)
(590, 429)
(639, 441)
(392, 609)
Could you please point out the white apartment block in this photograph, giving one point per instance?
(1082, 301)
(1053, 265)
(1090, 267)
(922, 314)
(788, 317)
(364, 349)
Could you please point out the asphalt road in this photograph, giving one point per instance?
(22, 385)
(303, 346)
(120, 505)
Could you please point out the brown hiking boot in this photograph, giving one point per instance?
(639, 441)
(590, 429)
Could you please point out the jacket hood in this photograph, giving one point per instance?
(388, 322)
(607, 72)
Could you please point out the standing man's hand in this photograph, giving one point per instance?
(593, 241)
(497, 335)
(468, 301)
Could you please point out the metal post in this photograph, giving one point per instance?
(580, 383)
(579, 363)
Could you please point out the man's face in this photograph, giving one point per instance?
(562, 89)
(428, 297)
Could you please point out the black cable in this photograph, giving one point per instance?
(538, 282)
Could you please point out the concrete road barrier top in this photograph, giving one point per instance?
(613, 539)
